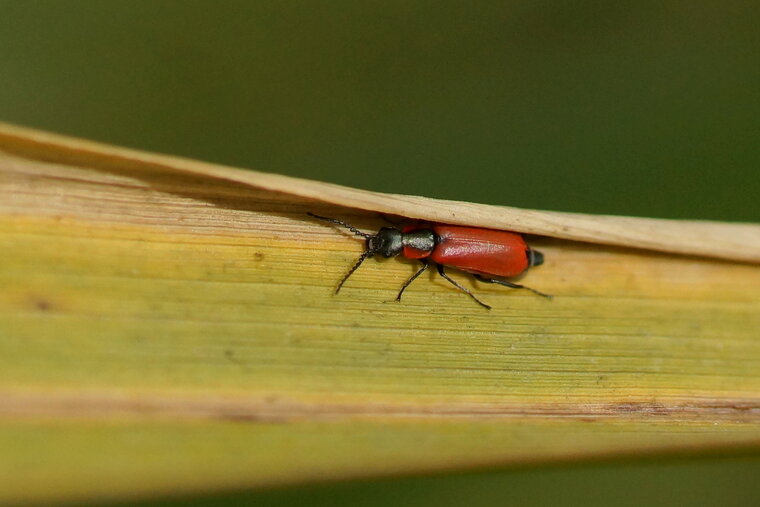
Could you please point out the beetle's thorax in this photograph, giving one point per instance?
(422, 240)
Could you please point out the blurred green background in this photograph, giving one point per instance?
(647, 108)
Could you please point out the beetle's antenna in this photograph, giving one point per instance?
(347, 226)
(351, 272)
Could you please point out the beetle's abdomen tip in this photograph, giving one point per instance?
(535, 257)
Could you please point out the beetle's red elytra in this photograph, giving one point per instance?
(485, 253)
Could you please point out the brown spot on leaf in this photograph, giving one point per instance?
(42, 305)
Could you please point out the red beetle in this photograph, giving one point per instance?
(485, 253)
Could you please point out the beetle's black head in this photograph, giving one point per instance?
(387, 242)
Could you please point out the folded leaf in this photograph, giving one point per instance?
(168, 325)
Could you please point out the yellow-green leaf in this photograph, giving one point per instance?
(165, 328)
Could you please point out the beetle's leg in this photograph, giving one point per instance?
(510, 284)
(414, 277)
(351, 271)
(458, 286)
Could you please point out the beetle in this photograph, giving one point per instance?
(487, 254)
